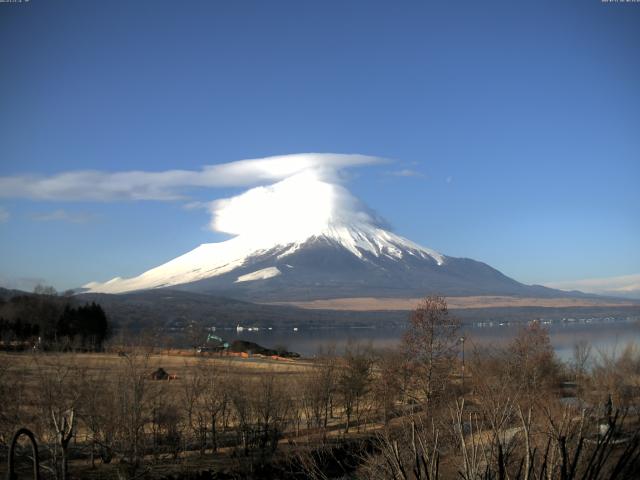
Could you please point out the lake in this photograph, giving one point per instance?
(606, 335)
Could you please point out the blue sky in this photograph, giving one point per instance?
(516, 124)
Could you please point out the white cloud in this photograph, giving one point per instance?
(4, 215)
(407, 172)
(195, 205)
(63, 216)
(623, 286)
(91, 185)
(302, 191)
(303, 202)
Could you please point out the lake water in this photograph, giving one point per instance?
(609, 335)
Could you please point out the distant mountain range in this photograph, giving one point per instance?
(160, 308)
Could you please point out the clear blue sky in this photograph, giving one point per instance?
(521, 118)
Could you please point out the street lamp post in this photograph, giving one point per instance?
(462, 339)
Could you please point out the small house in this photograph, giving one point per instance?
(160, 374)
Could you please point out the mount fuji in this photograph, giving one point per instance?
(307, 238)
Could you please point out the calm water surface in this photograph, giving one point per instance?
(609, 336)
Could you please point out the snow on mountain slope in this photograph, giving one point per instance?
(279, 218)
(261, 274)
(214, 259)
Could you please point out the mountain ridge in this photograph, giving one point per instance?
(333, 259)
(159, 308)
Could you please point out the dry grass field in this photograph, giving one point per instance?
(214, 416)
(176, 362)
(382, 304)
(39, 382)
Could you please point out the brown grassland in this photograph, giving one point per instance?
(418, 412)
(382, 304)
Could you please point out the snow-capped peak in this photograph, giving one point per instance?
(213, 259)
(280, 218)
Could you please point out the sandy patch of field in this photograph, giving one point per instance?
(371, 304)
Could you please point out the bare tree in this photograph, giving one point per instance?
(354, 381)
(581, 357)
(216, 399)
(12, 402)
(133, 397)
(392, 382)
(411, 453)
(40, 289)
(616, 374)
(95, 411)
(468, 434)
(64, 427)
(319, 391)
(532, 363)
(58, 396)
(271, 406)
(166, 423)
(192, 401)
(240, 402)
(431, 342)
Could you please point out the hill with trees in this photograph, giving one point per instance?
(45, 319)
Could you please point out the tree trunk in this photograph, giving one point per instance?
(245, 442)
(214, 435)
(64, 461)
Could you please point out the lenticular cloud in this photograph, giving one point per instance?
(303, 203)
(287, 193)
(171, 185)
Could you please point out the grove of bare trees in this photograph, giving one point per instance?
(402, 413)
